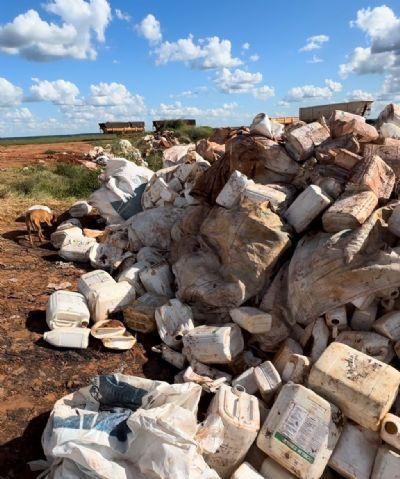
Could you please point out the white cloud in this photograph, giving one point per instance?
(177, 110)
(241, 81)
(10, 94)
(255, 57)
(190, 93)
(32, 37)
(315, 59)
(306, 92)
(122, 15)
(246, 46)
(359, 95)
(382, 28)
(150, 29)
(59, 92)
(334, 85)
(315, 42)
(115, 95)
(205, 54)
(362, 61)
(19, 114)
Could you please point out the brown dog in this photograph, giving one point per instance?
(34, 219)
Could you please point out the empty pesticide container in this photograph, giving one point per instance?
(121, 342)
(373, 344)
(80, 209)
(214, 344)
(251, 319)
(301, 431)
(246, 471)
(363, 319)
(88, 282)
(388, 325)
(289, 347)
(390, 430)
(247, 381)
(296, 369)
(67, 309)
(232, 191)
(355, 452)
(210, 379)
(68, 337)
(174, 319)
(306, 207)
(272, 470)
(268, 380)
(387, 464)
(131, 275)
(172, 357)
(241, 418)
(361, 386)
(76, 249)
(62, 233)
(140, 314)
(107, 328)
(336, 319)
(158, 279)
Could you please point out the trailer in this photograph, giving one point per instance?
(159, 125)
(314, 113)
(122, 127)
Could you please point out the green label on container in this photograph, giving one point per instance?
(294, 447)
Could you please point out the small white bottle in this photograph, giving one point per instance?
(68, 337)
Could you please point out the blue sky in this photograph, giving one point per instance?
(68, 64)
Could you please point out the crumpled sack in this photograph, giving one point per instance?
(124, 427)
(176, 154)
(152, 227)
(327, 271)
(120, 196)
(259, 158)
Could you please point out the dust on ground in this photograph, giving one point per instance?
(33, 374)
(27, 155)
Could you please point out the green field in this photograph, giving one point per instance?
(89, 137)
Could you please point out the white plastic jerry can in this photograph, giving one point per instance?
(174, 319)
(68, 337)
(232, 191)
(246, 471)
(241, 418)
(131, 275)
(306, 207)
(76, 249)
(390, 430)
(387, 464)
(336, 319)
(67, 309)
(268, 380)
(272, 470)
(296, 369)
(361, 386)
(355, 452)
(388, 325)
(301, 431)
(89, 282)
(214, 344)
(251, 319)
(288, 347)
(158, 279)
(172, 357)
(247, 381)
(61, 234)
(363, 319)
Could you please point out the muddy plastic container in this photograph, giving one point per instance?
(251, 319)
(89, 282)
(247, 381)
(140, 314)
(241, 418)
(296, 369)
(390, 430)
(306, 207)
(268, 380)
(388, 325)
(301, 431)
(131, 275)
(363, 319)
(214, 344)
(172, 357)
(361, 386)
(107, 329)
(373, 344)
(68, 337)
(272, 470)
(61, 234)
(289, 347)
(246, 471)
(158, 279)
(355, 452)
(174, 319)
(232, 191)
(67, 309)
(386, 464)
(76, 249)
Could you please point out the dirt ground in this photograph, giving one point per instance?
(26, 155)
(33, 374)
